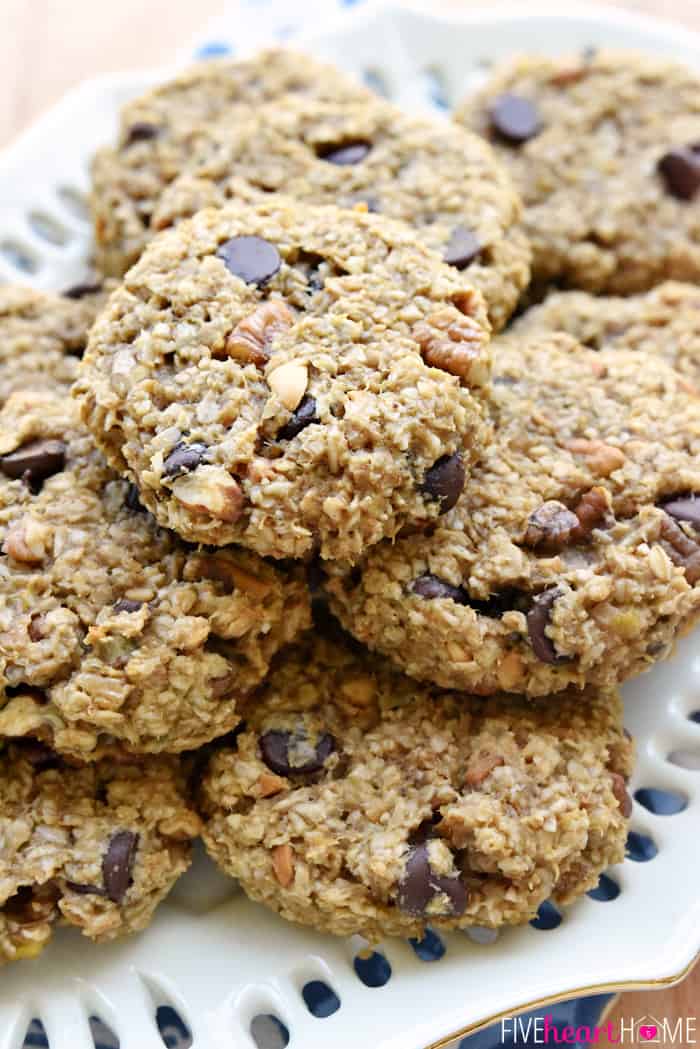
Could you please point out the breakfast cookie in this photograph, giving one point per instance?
(573, 556)
(358, 801)
(605, 151)
(663, 322)
(291, 379)
(111, 630)
(443, 182)
(162, 131)
(95, 846)
(43, 336)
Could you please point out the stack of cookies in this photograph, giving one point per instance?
(309, 546)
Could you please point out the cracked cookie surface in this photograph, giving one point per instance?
(443, 182)
(111, 630)
(161, 132)
(291, 379)
(359, 801)
(574, 554)
(96, 846)
(603, 150)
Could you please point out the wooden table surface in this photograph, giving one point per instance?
(46, 46)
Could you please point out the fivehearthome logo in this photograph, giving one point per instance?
(643, 1031)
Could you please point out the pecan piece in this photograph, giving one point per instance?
(251, 340)
(550, 526)
(602, 459)
(29, 541)
(681, 548)
(481, 766)
(591, 511)
(210, 490)
(456, 343)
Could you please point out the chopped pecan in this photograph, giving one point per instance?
(456, 343)
(28, 541)
(681, 548)
(269, 784)
(591, 511)
(210, 490)
(550, 526)
(481, 766)
(603, 459)
(221, 568)
(619, 789)
(251, 340)
(283, 864)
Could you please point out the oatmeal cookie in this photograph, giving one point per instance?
(358, 801)
(604, 149)
(443, 182)
(43, 335)
(111, 630)
(662, 322)
(291, 379)
(573, 556)
(95, 846)
(162, 131)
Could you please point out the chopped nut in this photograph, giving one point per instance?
(456, 343)
(603, 459)
(681, 548)
(481, 766)
(283, 864)
(510, 671)
(269, 784)
(289, 383)
(550, 526)
(591, 511)
(619, 789)
(210, 490)
(251, 340)
(28, 541)
(223, 569)
(568, 75)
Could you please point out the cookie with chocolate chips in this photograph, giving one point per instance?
(663, 322)
(43, 335)
(291, 379)
(161, 131)
(573, 556)
(359, 801)
(93, 846)
(111, 630)
(443, 182)
(604, 149)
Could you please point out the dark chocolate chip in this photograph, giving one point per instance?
(35, 461)
(38, 754)
(537, 622)
(496, 605)
(304, 416)
(141, 131)
(132, 500)
(118, 863)
(445, 481)
(292, 754)
(252, 259)
(680, 170)
(125, 605)
(183, 459)
(347, 153)
(684, 508)
(420, 885)
(79, 291)
(515, 119)
(462, 248)
(431, 587)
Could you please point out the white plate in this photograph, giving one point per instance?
(220, 960)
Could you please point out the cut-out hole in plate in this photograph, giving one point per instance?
(373, 969)
(548, 917)
(376, 82)
(19, 256)
(661, 802)
(74, 201)
(430, 948)
(268, 1032)
(435, 88)
(686, 759)
(607, 889)
(694, 716)
(48, 228)
(640, 847)
(173, 1030)
(103, 1036)
(214, 49)
(35, 1038)
(321, 1000)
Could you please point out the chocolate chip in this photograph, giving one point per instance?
(619, 789)
(445, 481)
(141, 131)
(79, 291)
(515, 119)
(304, 416)
(347, 153)
(35, 461)
(420, 885)
(680, 170)
(125, 605)
(118, 863)
(537, 622)
(183, 459)
(252, 259)
(132, 501)
(497, 604)
(431, 587)
(462, 248)
(292, 753)
(684, 508)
